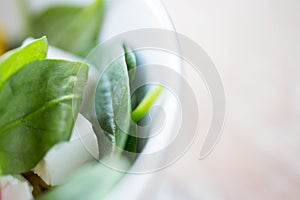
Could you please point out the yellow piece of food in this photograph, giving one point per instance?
(3, 46)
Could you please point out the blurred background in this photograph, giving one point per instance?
(255, 46)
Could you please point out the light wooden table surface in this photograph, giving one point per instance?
(255, 46)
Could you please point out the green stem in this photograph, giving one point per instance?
(146, 104)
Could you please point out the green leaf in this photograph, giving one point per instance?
(14, 60)
(131, 63)
(74, 29)
(94, 181)
(112, 100)
(130, 60)
(38, 105)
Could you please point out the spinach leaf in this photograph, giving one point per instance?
(113, 101)
(130, 60)
(14, 60)
(141, 102)
(38, 105)
(72, 28)
(131, 63)
(94, 181)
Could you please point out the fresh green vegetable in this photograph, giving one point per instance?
(130, 60)
(78, 32)
(146, 103)
(14, 60)
(38, 105)
(112, 102)
(74, 29)
(141, 101)
(40, 99)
